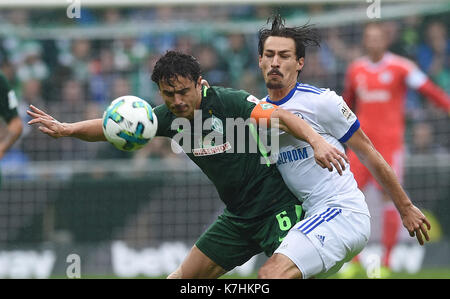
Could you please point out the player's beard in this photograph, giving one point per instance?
(274, 85)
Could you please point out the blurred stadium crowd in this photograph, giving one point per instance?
(76, 79)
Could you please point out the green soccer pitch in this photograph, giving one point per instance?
(443, 273)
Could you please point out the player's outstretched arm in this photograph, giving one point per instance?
(87, 130)
(413, 219)
(325, 154)
(418, 80)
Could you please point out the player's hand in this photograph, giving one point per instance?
(328, 156)
(48, 125)
(416, 223)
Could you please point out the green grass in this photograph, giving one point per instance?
(423, 274)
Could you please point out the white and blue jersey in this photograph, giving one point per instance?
(327, 114)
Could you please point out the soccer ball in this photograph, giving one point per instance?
(129, 123)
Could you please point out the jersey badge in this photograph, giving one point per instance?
(385, 77)
(217, 124)
(298, 114)
(346, 110)
(266, 106)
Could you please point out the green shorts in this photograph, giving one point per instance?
(230, 242)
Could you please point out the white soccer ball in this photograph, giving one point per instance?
(129, 123)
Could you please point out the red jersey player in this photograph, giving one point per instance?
(375, 89)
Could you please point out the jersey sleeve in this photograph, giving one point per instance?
(8, 101)
(435, 94)
(336, 117)
(415, 78)
(418, 80)
(263, 112)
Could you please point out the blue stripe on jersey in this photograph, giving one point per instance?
(308, 90)
(298, 87)
(285, 99)
(307, 221)
(334, 215)
(350, 132)
(317, 222)
(302, 85)
(311, 221)
(329, 216)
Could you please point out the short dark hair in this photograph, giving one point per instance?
(303, 36)
(174, 64)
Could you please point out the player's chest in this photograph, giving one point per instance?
(382, 78)
(210, 134)
(304, 112)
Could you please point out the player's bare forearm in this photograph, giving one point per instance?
(295, 126)
(412, 218)
(325, 154)
(87, 130)
(379, 168)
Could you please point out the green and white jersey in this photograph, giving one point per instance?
(248, 187)
(8, 100)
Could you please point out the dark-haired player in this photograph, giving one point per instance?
(337, 223)
(260, 209)
(8, 112)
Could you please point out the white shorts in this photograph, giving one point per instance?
(320, 244)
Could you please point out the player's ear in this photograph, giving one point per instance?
(198, 84)
(300, 63)
(205, 83)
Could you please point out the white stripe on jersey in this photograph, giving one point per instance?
(416, 78)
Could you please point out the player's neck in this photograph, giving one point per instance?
(376, 57)
(279, 93)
